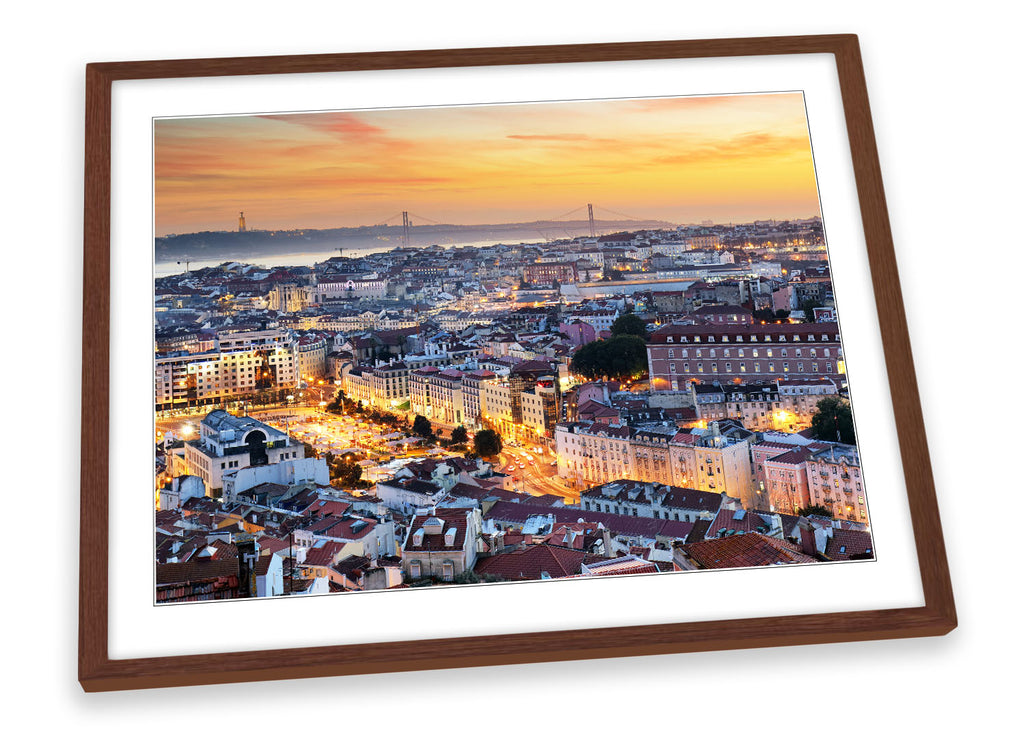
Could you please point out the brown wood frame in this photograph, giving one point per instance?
(97, 672)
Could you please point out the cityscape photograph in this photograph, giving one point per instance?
(485, 344)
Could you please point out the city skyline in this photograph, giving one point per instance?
(728, 158)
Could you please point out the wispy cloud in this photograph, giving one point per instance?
(488, 163)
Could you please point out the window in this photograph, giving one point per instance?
(415, 569)
(671, 353)
(448, 570)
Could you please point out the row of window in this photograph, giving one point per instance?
(447, 570)
(752, 339)
(755, 353)
(756, 367)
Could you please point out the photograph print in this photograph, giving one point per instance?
(489, 344)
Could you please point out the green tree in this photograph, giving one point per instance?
(769, 315)
(808, 306)
(421, 426)
(815, 509)
(620, 357)
(629, 324)
(833, 421)
(347, 473)
(487, 443)
(459, 435)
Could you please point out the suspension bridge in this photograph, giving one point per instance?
(578, 221)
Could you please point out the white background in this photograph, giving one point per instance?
(948, 136)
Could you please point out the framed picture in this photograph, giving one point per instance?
(450, 358)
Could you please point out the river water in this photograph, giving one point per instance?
(308, 258)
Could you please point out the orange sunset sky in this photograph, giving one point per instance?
(728, 158)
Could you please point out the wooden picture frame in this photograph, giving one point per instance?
(99, 672)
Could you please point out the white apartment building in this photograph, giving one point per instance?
(704, 459)
(311, 358)
(800, 397)
(227, 443)
(834, 480)
(240, 364)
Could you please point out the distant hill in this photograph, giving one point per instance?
(232, 245)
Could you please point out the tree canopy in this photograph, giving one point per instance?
(833, 421)
(769, 315)
(815, 509)
(460, 435)
(348, 473)
(620, 357)
(629, 324)
(487, 443)
(421, 426)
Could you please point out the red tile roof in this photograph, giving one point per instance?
(323, 555)
(847, 543)
(198, 569)
(532, 563)
(450, 519)
(743, 551)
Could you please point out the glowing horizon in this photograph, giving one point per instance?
(734, 158)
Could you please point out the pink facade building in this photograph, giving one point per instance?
(579, 332)
(786, 480)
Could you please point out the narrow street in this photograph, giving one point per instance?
(535, 474)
